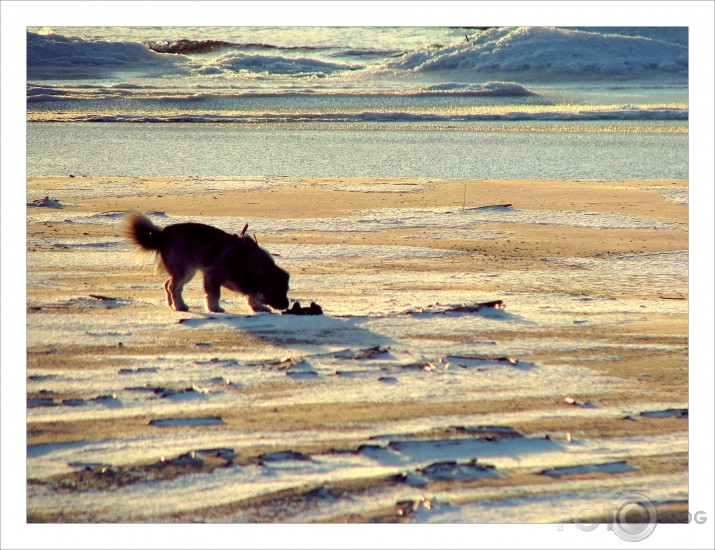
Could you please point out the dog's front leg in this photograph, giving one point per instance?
(256, 305)
(212, 287)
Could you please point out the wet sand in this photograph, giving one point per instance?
(627, 356)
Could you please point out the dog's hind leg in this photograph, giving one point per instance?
(169, 299)
(174, 286)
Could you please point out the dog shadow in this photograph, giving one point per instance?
(321, 333)
(314, 331)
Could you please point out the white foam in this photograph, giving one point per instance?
(550, 50)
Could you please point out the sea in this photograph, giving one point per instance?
(586, 103)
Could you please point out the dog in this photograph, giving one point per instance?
(229, 260)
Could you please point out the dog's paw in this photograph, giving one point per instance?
(183, 307)
(217, 310)
(257, 306)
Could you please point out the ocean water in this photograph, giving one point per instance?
(528, 102)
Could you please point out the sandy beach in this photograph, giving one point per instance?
(406, 400)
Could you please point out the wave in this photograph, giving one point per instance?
(550, 50)
(139, 92)
(528, 51)
(368, 52)
(493, 89)
(622, 113)
(235, 62)
(186, 46)
(68, 56)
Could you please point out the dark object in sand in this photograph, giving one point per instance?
(283, 456)
(494, 304)
(366, 353)
(103, 298)
(46, 202)
(585, 404)
(297, 309)
(452, 470)
(507, 205)
(179, 422)
(667, 413)
(607, 468)
(464, 308)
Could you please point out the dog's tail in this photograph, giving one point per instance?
(140, 230)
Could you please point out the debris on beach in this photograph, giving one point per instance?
(179, 422)
(46, 398)
(138, 370)
(178, 394)
(111, 401)
(488, 433)
(366, 353)
(607, 468)
(462, 471)
(667, 413)
(465, 359)
(408, 508)
(186, 459)
(439, 309)
(297, 309)
(302, 374)
(508, 205)
(41, 402)
(585, 404)
(103, 298)
(45, 202)
(283, 456)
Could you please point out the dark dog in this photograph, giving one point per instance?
(233, 261)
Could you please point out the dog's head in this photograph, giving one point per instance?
(255, 273)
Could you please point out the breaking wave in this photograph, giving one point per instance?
(540, 49)
(70, 57)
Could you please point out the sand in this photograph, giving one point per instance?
(614, 341)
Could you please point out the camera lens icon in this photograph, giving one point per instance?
(635, 518)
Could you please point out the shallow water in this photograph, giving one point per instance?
(570, 151)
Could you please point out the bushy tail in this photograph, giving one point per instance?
(139, 229)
